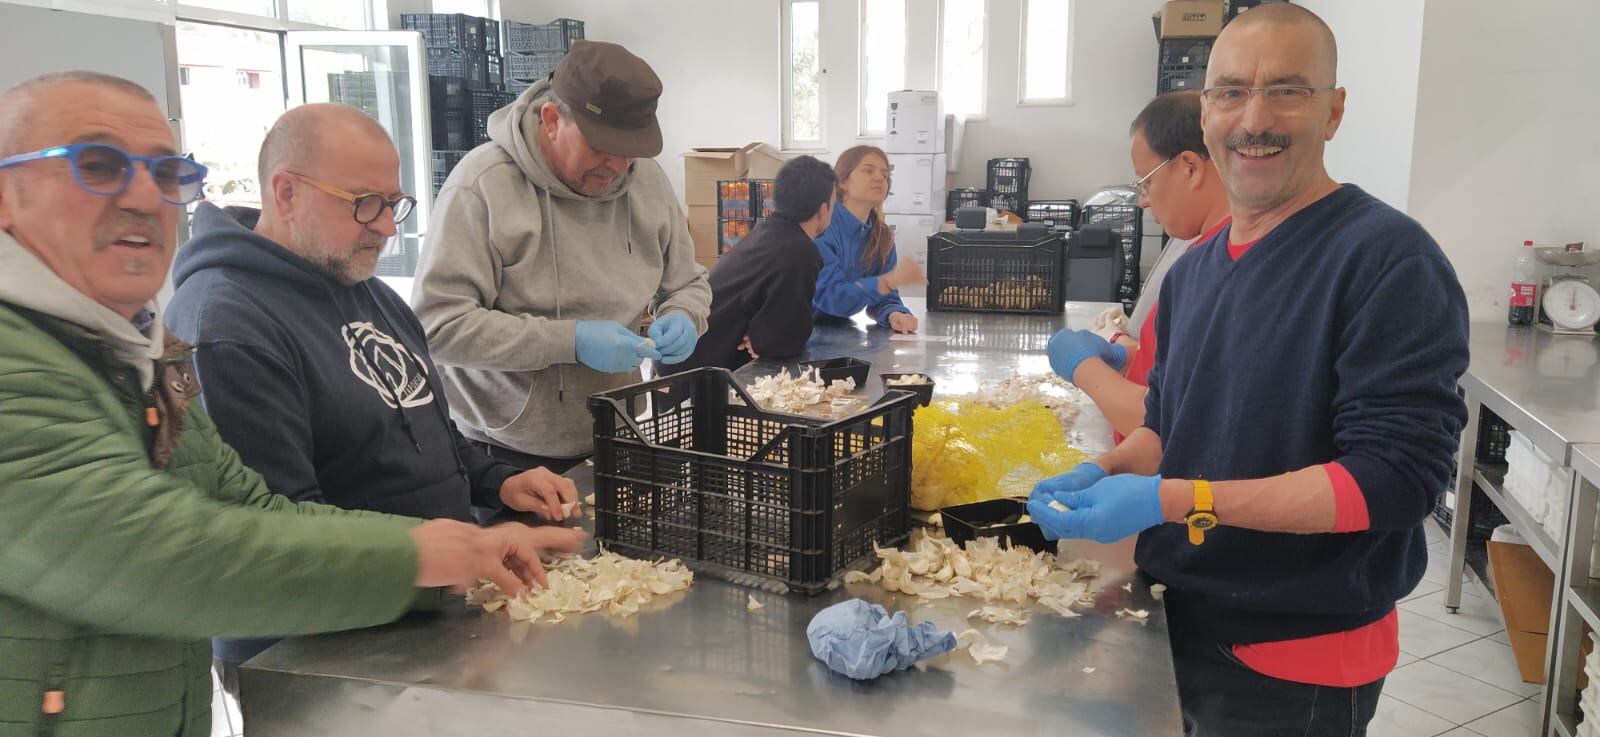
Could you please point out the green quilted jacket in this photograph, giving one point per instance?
(130, 534)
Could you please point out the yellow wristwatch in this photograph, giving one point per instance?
(1203, 517)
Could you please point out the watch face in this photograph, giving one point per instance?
(1203, 521)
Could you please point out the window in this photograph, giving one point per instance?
(1046, 51)
(883, 60)
(267, 8)
(232, 92)
(350, 14)
(962, 64)
(480, 8)
(802, 124)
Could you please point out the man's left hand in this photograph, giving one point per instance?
(1107, 511)
(903, 322)
(541, 492)
(675, 336)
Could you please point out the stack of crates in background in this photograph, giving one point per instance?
(465, 82)
(449, 113)
(1008, 184)
(1128, 222)
(741, 203)
(960, 197)
(356, 89)
(534, 51)
(443, 163)
(1058, 215)
(1181, 64)
(482, 103)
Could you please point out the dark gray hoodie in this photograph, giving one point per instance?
(514, 258)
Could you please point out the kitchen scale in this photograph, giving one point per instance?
(1568, 302)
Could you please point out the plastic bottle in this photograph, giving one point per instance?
(1524, 286)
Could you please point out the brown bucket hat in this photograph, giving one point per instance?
(613, 97)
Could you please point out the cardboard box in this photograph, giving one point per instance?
(916, 185)
(915, 124)
(703, 229)
(1524, 587)
(704, 167)
(706, 262)
(1192, 18)
(911, 242)
(763, 160)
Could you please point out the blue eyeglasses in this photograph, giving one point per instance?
(107, 170)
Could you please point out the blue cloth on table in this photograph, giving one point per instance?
(863, 641)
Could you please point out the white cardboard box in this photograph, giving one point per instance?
(911, 241)
(915, 123)
(916, 185)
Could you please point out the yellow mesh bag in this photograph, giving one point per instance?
(966, 452)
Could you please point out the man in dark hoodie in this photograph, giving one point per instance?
(316, 372)
(761, 291)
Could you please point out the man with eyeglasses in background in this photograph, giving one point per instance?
(1283, 474)
(1179, 185)
(313, 369)
(130, 533)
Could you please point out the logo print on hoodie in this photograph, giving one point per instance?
(399, 369)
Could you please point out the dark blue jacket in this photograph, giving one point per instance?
(326, 390)
(1339, 336)
(846, 285)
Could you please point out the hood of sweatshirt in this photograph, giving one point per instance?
(515, 128)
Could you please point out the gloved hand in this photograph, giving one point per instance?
(606, 346)
(1068, 348)
(863, 641)
(675, 337)
(1109, 510)
(1082, 476)
(1110, 321)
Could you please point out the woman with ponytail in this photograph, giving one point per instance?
(859, 267)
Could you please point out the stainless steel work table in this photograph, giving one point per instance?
(699, 664)
(1548, 388)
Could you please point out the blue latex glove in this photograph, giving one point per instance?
(675, 337)
(1068, 348)
(606, 346)
(863, 641)
(1081, 477)
(1109, 510)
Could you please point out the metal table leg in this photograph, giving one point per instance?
(1466, 467)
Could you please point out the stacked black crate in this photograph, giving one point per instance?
(1128, 222)
(1181, 64)
(1007, 188)
(465, 75)
(533, 51)
(741, 203)
(960, 197)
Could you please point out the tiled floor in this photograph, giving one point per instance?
(1456, 676)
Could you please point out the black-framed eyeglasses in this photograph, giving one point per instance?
(1143, 185)
(105, 170)
(1282, 98)
(366, 208)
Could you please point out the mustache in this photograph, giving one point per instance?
(121, 223)
(602, 172)
(1239, 140)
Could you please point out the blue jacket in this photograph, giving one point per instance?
(1361, 370)
(847, 286)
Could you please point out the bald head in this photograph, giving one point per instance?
(301, 136)
(20, 105)
(1282, 17)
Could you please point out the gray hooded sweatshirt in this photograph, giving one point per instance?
(514, 259)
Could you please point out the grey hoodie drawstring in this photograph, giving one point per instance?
(549, 214)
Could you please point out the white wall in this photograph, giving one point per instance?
(719, 63)
(1380, 56)
(1505, 145)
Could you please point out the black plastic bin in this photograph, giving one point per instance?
(994, 518)
(1185, 51)
(964, 197)
(1055, 214)
(689, 467)
(472, 67)
(532, 65)
(554, 36)
(984, 271)
(839, 369)
(1128, 222)
(1180, 77)
(455, 31)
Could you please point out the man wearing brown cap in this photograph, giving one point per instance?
(548, 244)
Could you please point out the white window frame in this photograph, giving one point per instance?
(790, 143)
(1022, 59)
(376, 10)
(983, 94)
(494, 8)
(862, 132)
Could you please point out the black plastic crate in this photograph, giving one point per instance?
(1057, 214)
(995, 272)
(494, 71)
(452, 130)
(443, 163)
(961, 197)
(1008, 176)
(472, 67)
(1128, 222)
(557, 35)
(761, 191)
(689, 467)
(455, 31)
(1013, 202)
(1179, 77)
(447, 94)
(485, 102)
(493, 42)
(732, 230)
(515, 86)
(1194, 51)
(1494, 437)
(735, 201)
(532, 66)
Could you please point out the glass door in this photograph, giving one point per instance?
(384, 73)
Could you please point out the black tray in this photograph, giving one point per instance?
(924, 392)
(833, 369)
(964, 522)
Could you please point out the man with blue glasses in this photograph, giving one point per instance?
(130, 533)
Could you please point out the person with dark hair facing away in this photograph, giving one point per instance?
(761, 291)
(859, 267)
(1179, 185)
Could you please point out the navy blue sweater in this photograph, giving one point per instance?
(1339, 336)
